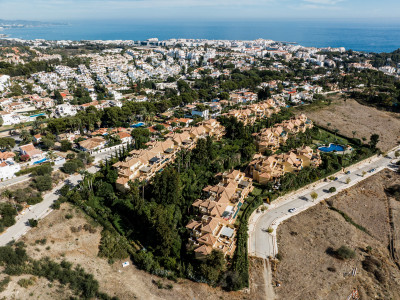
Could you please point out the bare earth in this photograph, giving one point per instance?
(349, 116)
(82, 248)
(304, 239)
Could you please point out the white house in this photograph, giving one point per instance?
(115, 94)
(8, 168)
(204, 114)
(65, 109)
(93, 144)
(34, 154)
(11, 118)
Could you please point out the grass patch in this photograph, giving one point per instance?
(256, 191)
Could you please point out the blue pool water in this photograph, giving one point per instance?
(331, 148)
(38, 115)
(239, 205)
(40, 161)
(137, 125)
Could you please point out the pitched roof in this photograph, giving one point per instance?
(92, 143)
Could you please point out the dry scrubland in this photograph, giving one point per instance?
(349, 116)
(307, 271)
(71, 240)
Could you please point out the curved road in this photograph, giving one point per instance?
(37, 211)
(263, 244)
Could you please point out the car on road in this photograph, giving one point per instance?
(372, 170)
(292, 210)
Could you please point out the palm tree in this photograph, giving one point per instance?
(36, 125)
(51, 155)
(336, 132)
(88, 179)
(25, 136)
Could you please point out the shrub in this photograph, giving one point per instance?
(42, 170)
(331, 269)
(345, 252)
(380, 276)
(24, 157)
(42, 241)
(65, 145)
(70, 167)
(69, 216)
(25, 282)
(64, 190)
(42, 183)
(33, 222)
(4, 283)
(34, 200)
(332, 189)
(70, 155)
(38, 170)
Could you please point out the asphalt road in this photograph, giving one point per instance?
(102, 156)
(37, 211)
(263, 244)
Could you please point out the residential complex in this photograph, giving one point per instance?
(250, 113)
(266, 169)
(273, 138)
(216, 214)
(143, 164)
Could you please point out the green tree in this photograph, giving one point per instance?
(374, 140)
(66, 145)
(42, 183)
(58, 97)
(70, 167)
(314, 196)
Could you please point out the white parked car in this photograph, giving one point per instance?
(292, 210)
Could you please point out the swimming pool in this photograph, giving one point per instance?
(38, 115)
(331, 148)
(237, 211)
(137, 125)
(40, 161)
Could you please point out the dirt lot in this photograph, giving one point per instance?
(308, 271)
(82, 247)
(349, 116)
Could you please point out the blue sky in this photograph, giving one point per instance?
(65, 10)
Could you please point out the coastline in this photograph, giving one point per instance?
(371, 38)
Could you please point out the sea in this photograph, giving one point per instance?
(365, 35)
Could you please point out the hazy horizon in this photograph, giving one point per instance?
(64, 10)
